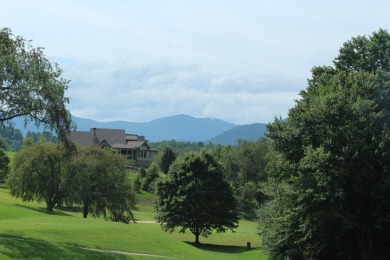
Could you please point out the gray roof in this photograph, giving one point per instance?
(81, 137)
(130, 145)
(116, 138)
(111, 136)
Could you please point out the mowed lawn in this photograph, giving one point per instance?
(28, 232)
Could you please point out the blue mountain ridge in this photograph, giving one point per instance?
(178, 127)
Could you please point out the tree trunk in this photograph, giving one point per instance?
(85, 211)
(49, 206)
(197, 239)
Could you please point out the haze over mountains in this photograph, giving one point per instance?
(177, 127)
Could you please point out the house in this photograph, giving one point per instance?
(134, 147)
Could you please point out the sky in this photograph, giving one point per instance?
(240, 61)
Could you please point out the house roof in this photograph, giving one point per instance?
(129, 145)
(116, 138)
(111, 136)
(81, 137)
(133, 137)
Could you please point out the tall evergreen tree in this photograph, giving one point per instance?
(167, 158)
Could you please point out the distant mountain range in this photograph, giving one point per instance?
(178, 127)
(250, 132)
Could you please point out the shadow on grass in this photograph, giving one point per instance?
(24, 248)
(220, 248)
(43, 210)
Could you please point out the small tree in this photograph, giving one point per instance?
(151, 175)
(137, 184)
(100, 184)
(195, 196)
(167, 158)
(39, 173)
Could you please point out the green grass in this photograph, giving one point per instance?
(62, 235)
(10, 154)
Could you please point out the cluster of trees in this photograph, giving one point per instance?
(329, 178)
(181, 147)
(93, 178)
(11, 139)
(245, 168)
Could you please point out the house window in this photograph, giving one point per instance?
(142, 153)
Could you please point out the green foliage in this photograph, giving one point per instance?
(137, 184)
(13, 138)
(167, 159)
(363, 53)
(31, 86)
(180, 147)
(28, 141)
(244, 167)
(4, 165)
(39, 173)
(44, 136)
(3, 144)
(151, 176)
(329, 178)
(142, 172)
(195, 196)
(99, 183)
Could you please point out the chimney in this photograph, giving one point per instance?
(94, 137)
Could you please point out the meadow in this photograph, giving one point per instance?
(28, 232)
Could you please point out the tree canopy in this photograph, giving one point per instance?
(195, 196)
(40, 173)
(31, 86)
(100, 184)
(94, 178)
(329, 180)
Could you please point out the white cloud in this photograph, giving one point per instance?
(240, 61)
(142, 92)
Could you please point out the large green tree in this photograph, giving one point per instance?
(195, 196)
(100, 184)
(31, 86)
(329, 180)
(39, 173)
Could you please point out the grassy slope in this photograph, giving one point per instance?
(55, 235)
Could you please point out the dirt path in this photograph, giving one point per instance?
(120, 252)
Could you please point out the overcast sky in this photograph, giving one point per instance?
(240, 61)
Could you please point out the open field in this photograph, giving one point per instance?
(27, 231)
